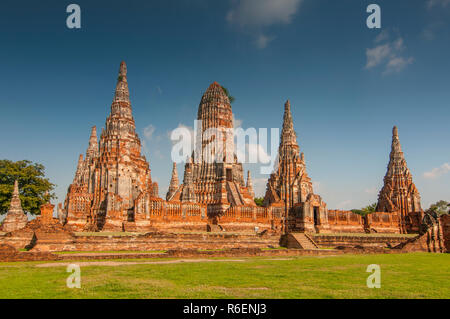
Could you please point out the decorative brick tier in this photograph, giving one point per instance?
(445, 224)
(40, 241)
(326, 241)
(10, 254)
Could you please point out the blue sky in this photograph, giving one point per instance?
(348, 85)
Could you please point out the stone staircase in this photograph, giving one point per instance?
(300, 241)
(236, 199)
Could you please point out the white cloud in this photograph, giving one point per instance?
(262, 41)
(437, 171)
(252, 16)
(437, 3)
(237, 122)
(151, 141)
(148, 131)
(259, 186)
(376, 55)
(258, 13)
(371, 191)
(344, 204)
(396, 64)
(384, 35)
(433, 29)
(387, 54)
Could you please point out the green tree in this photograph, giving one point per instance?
(34, 188)
(366, 210)
(259, 201)
(440, 207)
(230, 97)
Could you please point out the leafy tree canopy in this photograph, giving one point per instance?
(259, 201)
(440, 207)
(231, 98)
(33, 185)
(366, 210)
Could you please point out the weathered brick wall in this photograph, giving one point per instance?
(246, 218)
(445, 226)
(17, 239)
(345, 222)
(383, 222)
(159, 241)
(352, 241)
(151, 241)
(10, 254)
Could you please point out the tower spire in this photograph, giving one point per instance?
(122, 93)
(79, 171)
(188, 194)
(250, 185)
(15, 196)
(92, 150)
(288, 135)
(396, 146)
(174, 182)
(121, 105)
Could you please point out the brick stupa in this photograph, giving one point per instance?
(15, 218)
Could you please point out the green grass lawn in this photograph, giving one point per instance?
(418, 275)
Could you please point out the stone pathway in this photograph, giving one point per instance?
(111, 254)
(162, 262)
(127, 263)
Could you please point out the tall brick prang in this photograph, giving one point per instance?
(290, 184)
(114, 174)
(399, 194)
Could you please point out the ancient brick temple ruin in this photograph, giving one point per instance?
(113, 189)
(290, 186)
(15, 218)
(399, 194)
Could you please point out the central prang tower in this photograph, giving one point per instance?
(213, 175)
